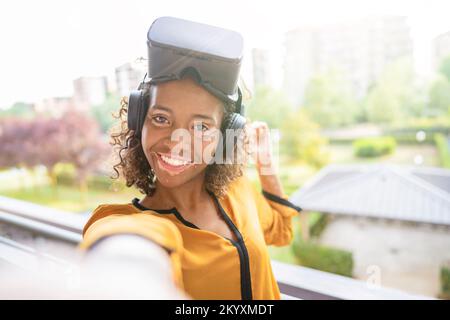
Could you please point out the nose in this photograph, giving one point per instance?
(178, 143)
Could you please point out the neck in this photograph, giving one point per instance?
(187, 196)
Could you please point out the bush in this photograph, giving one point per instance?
(323, 258)
(301, 141)
(405, 133)
(66, 176)
(442, 145)
(445, 281)
(408, 135)
(100, 182)
(374, 147)
(317, 223)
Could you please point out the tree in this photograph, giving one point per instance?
(48, 143)
(16, 143)
(18, 110)
(329, 100)
(444, 67)
(382, 105)
(301, 140)
(396, 95)
(439, 97)
(73, 138)
(102, 113)
(269, 106)
(84, 146)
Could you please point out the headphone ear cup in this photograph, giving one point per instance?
(237, 121)
(136, 111)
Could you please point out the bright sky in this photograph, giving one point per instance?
(46, 44)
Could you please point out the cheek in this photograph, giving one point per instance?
(205, 146)
(148, 140)
(209, 151)
(209, 147)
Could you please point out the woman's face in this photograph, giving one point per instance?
(181, 114)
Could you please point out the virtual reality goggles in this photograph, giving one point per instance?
(213, 55)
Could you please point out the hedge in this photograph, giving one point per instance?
(445, 281)
(442, 145)
(408, 134)
(374, 147)
(323, 258)
(317, 223)
(65, 175)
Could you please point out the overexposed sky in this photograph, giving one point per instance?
(46, 44)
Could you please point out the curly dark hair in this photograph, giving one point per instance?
(134, 165)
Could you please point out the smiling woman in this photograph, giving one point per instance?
(135, 161)
(207, 215)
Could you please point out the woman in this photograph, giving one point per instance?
(213, 223)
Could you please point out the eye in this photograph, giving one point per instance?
(200, 127)
(159, 120)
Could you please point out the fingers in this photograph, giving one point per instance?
(259, 129)
(260, 149)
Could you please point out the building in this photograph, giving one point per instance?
(90, 91)
(262, 75)
(392, 218)
(360, 50)
(441, 49)
(128, 77)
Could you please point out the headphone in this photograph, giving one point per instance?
(138, 106)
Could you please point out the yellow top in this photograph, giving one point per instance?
(207, 265)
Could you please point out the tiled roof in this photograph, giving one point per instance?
(383, 191)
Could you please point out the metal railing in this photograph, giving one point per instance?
(42, 220)
(307, 283)
(295, 282)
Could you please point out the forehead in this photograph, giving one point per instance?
(185, 95)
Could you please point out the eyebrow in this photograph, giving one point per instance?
(196, 115)
(158, 106)
(202, 116)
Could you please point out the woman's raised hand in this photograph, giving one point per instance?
(259, 146)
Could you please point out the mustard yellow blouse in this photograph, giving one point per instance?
(205, 264)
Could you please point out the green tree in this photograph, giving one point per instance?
(396, 95)
(102, 113)
(382, 105)
(439, 97)
(270, 106)
(329, 100)
(444, 67)
(18, 110)
(301, 140)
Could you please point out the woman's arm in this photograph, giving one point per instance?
(116, 220)
(274, 209)
(128, 266)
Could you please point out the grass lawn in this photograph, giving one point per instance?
(404, 154)
(70, 198)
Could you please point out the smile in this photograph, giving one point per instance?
(172, 165)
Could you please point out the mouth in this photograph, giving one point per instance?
(172, 165)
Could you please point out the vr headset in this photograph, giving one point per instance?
(212, 55)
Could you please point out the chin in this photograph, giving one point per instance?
(171, 181)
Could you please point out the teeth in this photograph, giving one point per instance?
(174, 162)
